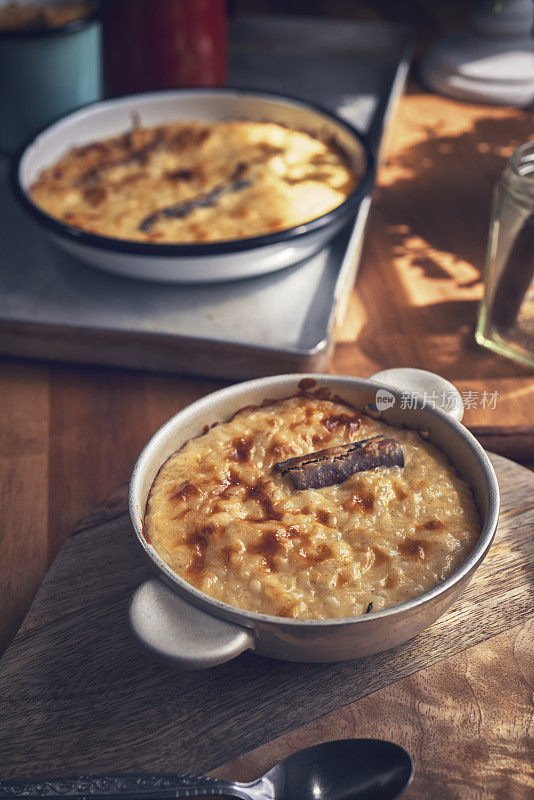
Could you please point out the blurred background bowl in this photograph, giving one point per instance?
(212, 261)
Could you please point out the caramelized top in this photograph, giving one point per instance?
(233, 526)
(197, 182)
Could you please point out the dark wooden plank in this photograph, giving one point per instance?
(79, 695)
(469, 738)
(511, 441)
(24, 444)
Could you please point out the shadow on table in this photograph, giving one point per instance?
(435, 199)
(442, 194)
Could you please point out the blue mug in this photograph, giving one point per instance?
(46, 73)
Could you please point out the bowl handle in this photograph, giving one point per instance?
(427, 386)
(173, 629)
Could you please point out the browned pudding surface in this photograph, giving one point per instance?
(41, 16)
(221, 517)
(194, 182)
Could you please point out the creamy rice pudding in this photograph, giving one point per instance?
(225, 518)
(197, 182)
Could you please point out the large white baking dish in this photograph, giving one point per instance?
(212, 261)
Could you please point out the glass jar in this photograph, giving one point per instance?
(506, 316)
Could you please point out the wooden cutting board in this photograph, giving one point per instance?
(78, 695)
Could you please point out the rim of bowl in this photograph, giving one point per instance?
(225, 246)
(67, 27)
(190, 592)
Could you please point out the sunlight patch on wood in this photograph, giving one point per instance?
(434, 270)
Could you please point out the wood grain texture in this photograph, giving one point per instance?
(24, 482)
(467, 723)
(79, 695)
(513, 441)
(68, 436)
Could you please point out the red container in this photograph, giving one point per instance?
(163, 44)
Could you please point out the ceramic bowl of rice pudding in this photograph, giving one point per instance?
(293, 517)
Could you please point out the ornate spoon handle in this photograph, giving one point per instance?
(135, 786)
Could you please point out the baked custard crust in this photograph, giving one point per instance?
(193, 182)
(225, 521)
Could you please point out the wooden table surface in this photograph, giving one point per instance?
(69, 435)
(79, 695)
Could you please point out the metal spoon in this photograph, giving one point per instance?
(347, 769)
